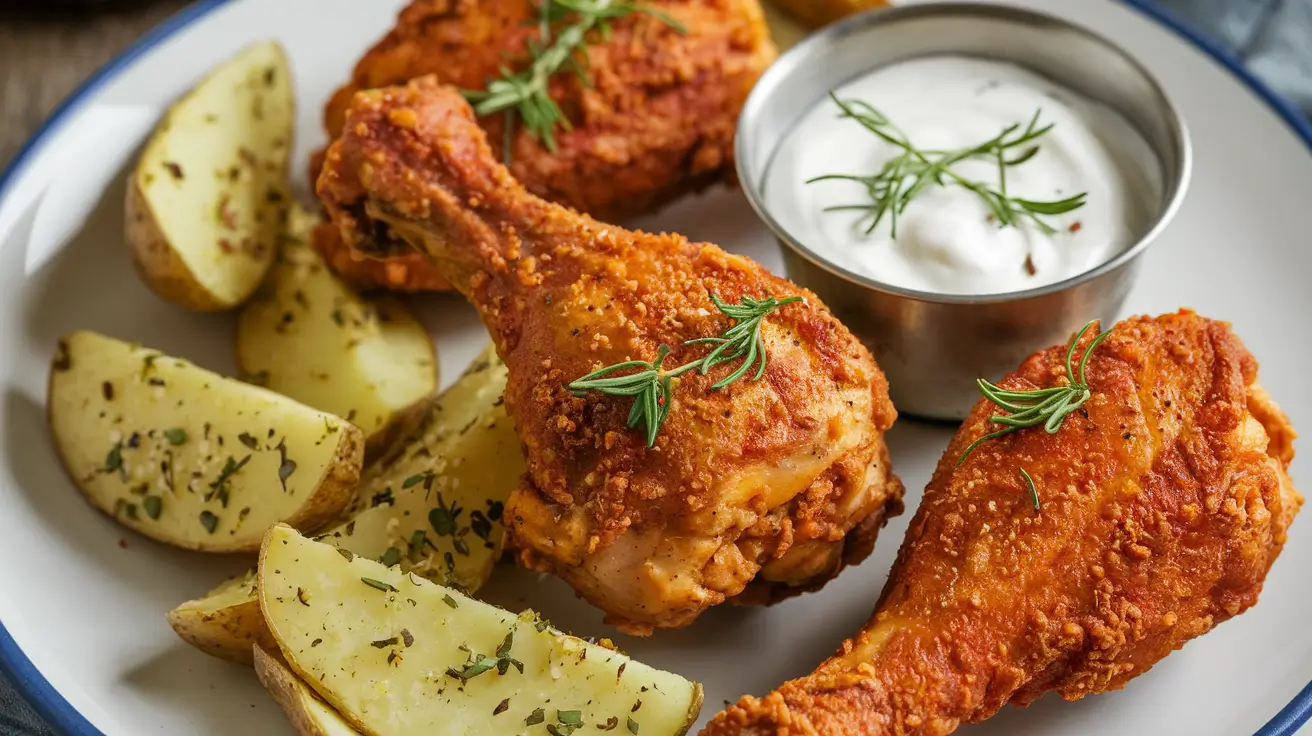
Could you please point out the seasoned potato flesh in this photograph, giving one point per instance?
(399, 655)
(309, 336)
(189, 457)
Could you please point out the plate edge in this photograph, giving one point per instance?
(26, 679)
(60, 714)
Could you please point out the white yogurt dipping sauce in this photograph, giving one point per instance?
(948, 240)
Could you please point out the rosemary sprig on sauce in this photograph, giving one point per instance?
(651, 385)
(914, 170)
(1045, 406)
(524, 95)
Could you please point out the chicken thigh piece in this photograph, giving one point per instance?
(1163, 504)
(652, 120)
(750, 492)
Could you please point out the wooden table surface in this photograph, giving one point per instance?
(45, 56)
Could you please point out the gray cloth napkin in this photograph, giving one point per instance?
(1274, 37)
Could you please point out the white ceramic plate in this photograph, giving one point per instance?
(82, 601)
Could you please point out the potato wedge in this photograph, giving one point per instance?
(226, 622)
(310, 337)
(469, 446)
(435, 508)
(310, 716)
(369, 639)
(816, 13)
(191, 458)
(209, 194)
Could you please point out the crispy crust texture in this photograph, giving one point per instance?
(763, 475)
(1163, 506)
(654, 121)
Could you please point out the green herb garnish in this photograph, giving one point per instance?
(537, 716)
(380, 585)
(651, 386)
(391, 556)
(209, 521)
(219, 487)
(1046, 406)
(567, 722)
(114, 461)
(526, 94)
(443, 518)
(176, 436)
(153, 505)
(914, 170)
(1034, 491)
(285, 466)
(502, 662)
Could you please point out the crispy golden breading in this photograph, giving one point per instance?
(401, 272)
(765, 486)
(1164, 506)
(656, 122)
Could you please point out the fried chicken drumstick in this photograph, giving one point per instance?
(751, 492)
(653, 120)
(1162, 511)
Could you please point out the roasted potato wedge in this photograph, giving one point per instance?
(467, 458)
(367, 638)
(191, 458)
(816, 13)
(435, 507)
(207, 199)
(310, 716)
(309, 336)
(226, 622)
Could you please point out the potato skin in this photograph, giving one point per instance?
(228, 633)
(156, 262)
(336, 488)
(286, 689)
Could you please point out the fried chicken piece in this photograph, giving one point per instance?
(402, 272)
(755, 491)
(655, 122)
(1162, 511)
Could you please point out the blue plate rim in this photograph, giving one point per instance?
(59, 713)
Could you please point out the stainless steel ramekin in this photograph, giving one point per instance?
(933, 346)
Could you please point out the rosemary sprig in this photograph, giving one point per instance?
(651, 386)
(914, 170)
(1034, 491)
(524, 95)
(1046, 406)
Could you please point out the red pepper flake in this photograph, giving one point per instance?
(226, 216)
(1030, 268)
(1075, 226)
(122, 544)
(226, 245)
(660, 401)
